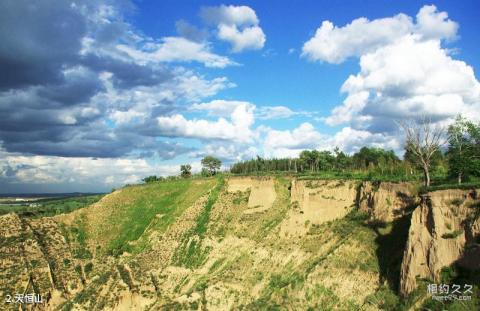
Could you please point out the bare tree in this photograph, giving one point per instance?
(422, 141)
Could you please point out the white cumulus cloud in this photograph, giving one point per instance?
(304, 136)
(220, 107)
(335, 44)
(408, 79)
(405, 73)
(177, 49)
(76, 171)
(435, 25)
(237, 25)
(238, 128)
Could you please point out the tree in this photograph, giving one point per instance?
(325, 160)
(463, 154)
(422, 141)
(211, 164)
(150, 179)
(307, 159)
(342, 161)
(185, 170)
(368, 157)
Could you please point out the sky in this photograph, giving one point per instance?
(98, 94)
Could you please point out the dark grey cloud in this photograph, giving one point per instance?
(385, 113)
(38, 39)
(88, 141)
(127, 74)
(75, 90)
(53, 100)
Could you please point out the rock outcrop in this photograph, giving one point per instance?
(440, 228)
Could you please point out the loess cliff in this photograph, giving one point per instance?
(442, 227)
(240, 243)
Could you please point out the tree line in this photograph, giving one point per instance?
(320, 161)
(453, 152)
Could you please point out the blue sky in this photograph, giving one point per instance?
(273, 76)
(101, 93)
(280, 78)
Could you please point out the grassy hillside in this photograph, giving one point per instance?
(113, 224)
(211, 244)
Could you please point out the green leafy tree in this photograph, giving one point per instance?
(463, 148)
(211, 165)
(307, 159)
(342, 160)
(150, 179)
(326, 160)
(374, 157)
(185, 170)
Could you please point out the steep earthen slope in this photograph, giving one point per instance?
(314, 202)
(253, 244)
(36, 259)
(386, 201)
(262, 191)
(440, 228)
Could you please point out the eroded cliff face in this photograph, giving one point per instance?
(386, 201)
(314, 202)
(265, 241)
(261, 192)
(444, 223)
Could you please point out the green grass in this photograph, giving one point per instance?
(277, 213)
(384, 298)
(88, 295)
(241, 197)
(153, 207)
(457, 201)
(217, 264)
(356, 175)
(202, 220)
(125, 276)
(281, 280)
(51, 206)
(191, 253)
(347, 175)
(78, 235)
(325, 299)
(445, 186)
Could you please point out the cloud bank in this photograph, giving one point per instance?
(95, 101)
(406, 72)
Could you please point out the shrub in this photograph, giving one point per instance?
(452, 235)
(88, 268)
(457, 202)
(78, 269)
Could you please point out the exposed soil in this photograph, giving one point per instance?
(254, 244)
